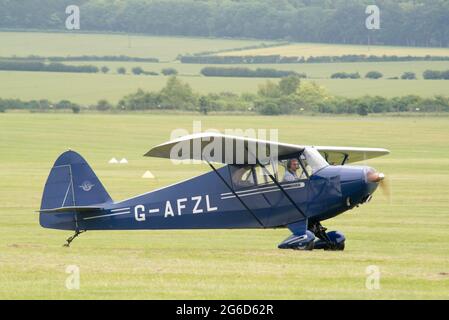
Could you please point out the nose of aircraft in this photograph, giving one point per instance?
(373, 176)
(359, 184)
(373, 179)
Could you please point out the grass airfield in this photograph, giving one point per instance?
(407, 237)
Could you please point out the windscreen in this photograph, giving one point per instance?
(314, 159)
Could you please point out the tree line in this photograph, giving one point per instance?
(80, 58)
(436, 75)
(288, 96)
(43, 67)
(123, 58)
(37, 66)
(248, 73)
(103, 58)
(273, 59)
(405, 22)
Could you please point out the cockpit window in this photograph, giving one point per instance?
(288, 170)
(263, 175)
(291, 170)
(309, 162)
(314, 160)
(242, 176)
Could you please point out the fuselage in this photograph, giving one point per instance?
(207, 202)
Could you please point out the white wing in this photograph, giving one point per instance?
(216, 147)
(336, 155)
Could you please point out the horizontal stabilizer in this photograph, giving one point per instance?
(71, 209)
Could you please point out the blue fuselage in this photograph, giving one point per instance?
(207, 202)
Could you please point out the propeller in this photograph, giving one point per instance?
(383, 183)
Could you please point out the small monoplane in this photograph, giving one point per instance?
(252, 184)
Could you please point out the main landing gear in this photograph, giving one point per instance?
(315, 237)
(333, 240)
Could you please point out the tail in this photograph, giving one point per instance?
(71, 187)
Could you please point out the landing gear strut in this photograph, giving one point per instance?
(332, 240)
(70, 239)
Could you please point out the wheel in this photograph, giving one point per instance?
(338, 241)
(308, 247)
(341, 246)
(336, 247)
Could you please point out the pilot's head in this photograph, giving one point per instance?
(292, 165)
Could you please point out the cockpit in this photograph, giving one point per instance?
(288, 169)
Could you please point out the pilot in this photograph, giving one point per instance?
(290, 173)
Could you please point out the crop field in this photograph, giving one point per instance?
(406, 237)
(23, 44)
(314, 49)
(89, 88)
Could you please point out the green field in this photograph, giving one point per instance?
(23, 44)
(406, 237)
(89, 88)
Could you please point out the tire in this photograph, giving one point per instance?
(308, 247)
(338, 247)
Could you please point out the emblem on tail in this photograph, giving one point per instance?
(87, 186)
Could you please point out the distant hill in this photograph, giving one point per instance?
(405, 22)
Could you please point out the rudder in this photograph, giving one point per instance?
(71, 183)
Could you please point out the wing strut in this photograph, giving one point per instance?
(345, 159)
(279, 186)
(235, 194)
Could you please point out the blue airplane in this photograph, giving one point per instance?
(259, 184)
